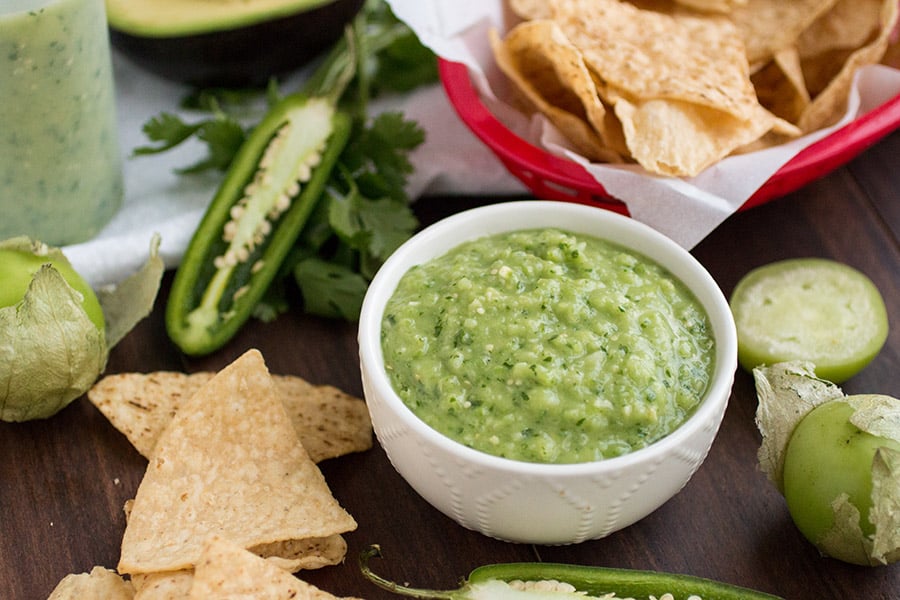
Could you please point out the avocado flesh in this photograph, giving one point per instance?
(171, 18)
(244, 56)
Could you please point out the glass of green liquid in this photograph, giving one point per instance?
(60, 163)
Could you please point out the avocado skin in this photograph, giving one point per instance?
(243, 57)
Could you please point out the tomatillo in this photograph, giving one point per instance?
(18, 266)
(828, 462)
(809, 309)
(56, 331)
(836, 459)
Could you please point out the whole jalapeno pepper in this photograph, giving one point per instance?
(257, 213)
(539, 581)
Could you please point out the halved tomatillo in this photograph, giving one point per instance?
(809, 309)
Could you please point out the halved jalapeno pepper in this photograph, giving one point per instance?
(554, 581)
(260, 208)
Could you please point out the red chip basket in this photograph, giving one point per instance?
(552, 177)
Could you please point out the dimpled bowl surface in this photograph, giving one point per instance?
(542, 503)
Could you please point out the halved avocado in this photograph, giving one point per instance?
(226, 43)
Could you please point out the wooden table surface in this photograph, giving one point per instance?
(63, 480)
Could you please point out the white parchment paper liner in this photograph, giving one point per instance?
(685, 209)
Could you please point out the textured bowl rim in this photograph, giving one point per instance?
(486, 220)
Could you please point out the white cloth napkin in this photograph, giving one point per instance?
(157, 200)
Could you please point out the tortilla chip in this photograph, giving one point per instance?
(767, 26)
(329, 422)
(306, 554)
(290, 555)
(545, 40)
(99, 583)
(819, 71)
(846, 26)
(227, 571)
(649, 55)
(528, 58)
(827, 44)
(682, 139)
(782, 132)
(660, 69)
(176, 585)
(530, 9)
(230, 463)
(165, 585)
(827, 107)
(780, 85)
(891, 57)
(717, 6)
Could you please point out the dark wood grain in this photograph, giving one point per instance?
(63, 480)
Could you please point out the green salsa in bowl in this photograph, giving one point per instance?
(545, 372)
(547, 346)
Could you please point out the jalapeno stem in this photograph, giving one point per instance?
(375, 551)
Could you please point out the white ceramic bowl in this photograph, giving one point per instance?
(542, 503)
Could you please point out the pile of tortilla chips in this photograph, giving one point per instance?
(225, 570)
(232, 502)
(676, 86)
(329, 422)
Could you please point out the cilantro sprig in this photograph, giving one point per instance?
(364, 214)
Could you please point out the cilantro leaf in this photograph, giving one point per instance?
(239, 102)
(376, 227)
(404, 65)
(378, 157)
(365, 214)
(169, 130)
(222, 135)
(223, 138)
(329, 289)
